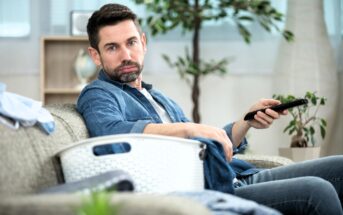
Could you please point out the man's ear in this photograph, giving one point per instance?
(95, 55)
(144, 41)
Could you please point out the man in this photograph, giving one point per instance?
(120, 102)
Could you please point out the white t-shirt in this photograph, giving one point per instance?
(158, 108)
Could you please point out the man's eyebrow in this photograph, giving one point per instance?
(132, 38)
(116, 44)
(111, 44)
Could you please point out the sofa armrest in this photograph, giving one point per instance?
(264, 161)
(129, 204)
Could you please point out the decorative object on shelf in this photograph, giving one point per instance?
(303, 126)
(308, 63)
(84, 68)
(78, 22)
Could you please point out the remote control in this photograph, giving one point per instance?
(278, 108)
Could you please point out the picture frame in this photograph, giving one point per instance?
(78, 22)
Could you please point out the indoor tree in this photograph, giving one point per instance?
(190, 16)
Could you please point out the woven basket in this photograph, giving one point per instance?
(157, 164)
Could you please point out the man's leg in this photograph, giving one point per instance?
(329, 168)
(297, 196)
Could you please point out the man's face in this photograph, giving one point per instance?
(121, 51)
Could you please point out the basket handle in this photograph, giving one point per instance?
(111, 148)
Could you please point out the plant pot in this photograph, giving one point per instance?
(300, 154)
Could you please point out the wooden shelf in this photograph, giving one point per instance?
(62, 91)
(58, 79)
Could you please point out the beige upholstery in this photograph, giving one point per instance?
(26, 167)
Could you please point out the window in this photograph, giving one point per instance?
(14, 24)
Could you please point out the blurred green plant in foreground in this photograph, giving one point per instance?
(98, 203)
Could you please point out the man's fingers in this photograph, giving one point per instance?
(227, 146)
(265, 117)
(228, 152)
(273, 114)
(269, 102)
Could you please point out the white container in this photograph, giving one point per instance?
(157, 164)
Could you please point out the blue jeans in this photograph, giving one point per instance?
(310, 187)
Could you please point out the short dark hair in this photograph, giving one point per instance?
(109, 14)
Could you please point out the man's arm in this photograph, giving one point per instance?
(261, 120)
(187, 130)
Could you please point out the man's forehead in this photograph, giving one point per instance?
(119, 32)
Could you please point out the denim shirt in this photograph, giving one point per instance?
(109, 107)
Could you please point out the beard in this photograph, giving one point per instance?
(116, 74)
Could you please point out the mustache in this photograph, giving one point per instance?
(128, 63)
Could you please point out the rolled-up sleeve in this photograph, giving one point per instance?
(244, 143)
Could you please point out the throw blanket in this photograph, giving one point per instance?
(16, 110)
(220, 175)
(226, 204)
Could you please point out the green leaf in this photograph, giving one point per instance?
(311, 130)
(288, 127)
(265, 24)
(248, 18)
(166, 58)
(97, 204)
(313, 141)
(244, 33)
(291, 131)
(288, 35)
(314, 100)
(322, 132)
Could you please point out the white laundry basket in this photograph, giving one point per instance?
(157, 164)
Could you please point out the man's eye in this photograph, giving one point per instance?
(132, 42)
(112, 48)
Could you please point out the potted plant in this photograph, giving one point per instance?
(191, 15)
(303, 126)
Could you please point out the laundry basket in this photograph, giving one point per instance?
(157, 164)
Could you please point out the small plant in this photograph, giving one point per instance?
(98, 203)
(304, 119)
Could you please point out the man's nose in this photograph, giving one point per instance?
(126, 54)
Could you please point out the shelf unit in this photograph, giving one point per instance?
(58, 80)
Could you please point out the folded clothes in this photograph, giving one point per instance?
(23, 111)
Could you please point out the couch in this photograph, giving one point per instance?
(27, 167)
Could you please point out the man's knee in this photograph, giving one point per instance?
(316, 184)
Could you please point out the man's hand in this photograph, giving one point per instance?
(261, 120)
(264, 120)
(201, 130)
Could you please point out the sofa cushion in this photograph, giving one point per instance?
(26, 163)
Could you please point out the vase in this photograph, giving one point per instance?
(84, 68)
(300, 154)
(307, 63)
